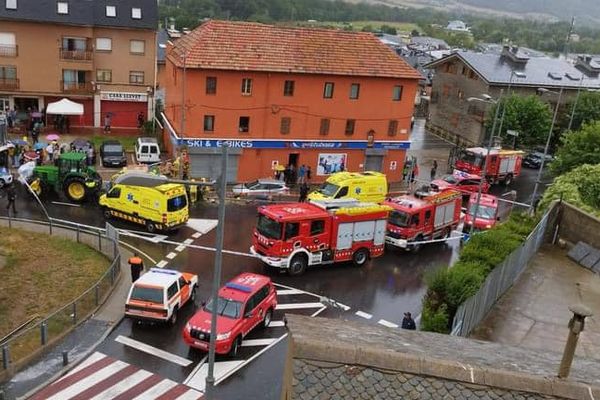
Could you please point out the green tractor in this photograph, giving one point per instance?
(70, 175)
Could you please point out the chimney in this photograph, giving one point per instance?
(172, 23)
(588, 65)
(512, 54)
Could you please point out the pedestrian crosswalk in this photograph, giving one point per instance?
(101, 377)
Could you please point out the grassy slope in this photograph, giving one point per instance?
(42, 273)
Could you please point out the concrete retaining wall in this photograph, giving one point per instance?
(577, 225)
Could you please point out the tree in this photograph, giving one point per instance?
(587, 110)
(579, 187)
(390, 30)
(528, 115)
(578, 148)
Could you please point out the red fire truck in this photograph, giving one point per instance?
(491, 210)
(297, 235)
(502, 165)
(423, 216)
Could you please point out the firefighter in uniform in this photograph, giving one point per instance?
(137, 265)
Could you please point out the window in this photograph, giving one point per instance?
(427, 216)
(111, 11)
(209, 123)
(103, 44)
(244, 125)
(354, 91)
(103, 75)
(397, 93)
(291, 230)
(172, 290)
(62, 7)
(136, 77)
(343, 192)
(115, 193)
(393, 128)
(137, 46)
(284, 128)
(211, 85)
(11, 4)
(288, 88)
(350, 126)
(317, 227)
(328, 90)
(246, 86)
(8, 44)
(324, 128)
(415, 220)
(472, 75)
(136, 13)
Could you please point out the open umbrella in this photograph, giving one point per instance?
(53, 136)
(39, 146)
(279, 167)
(31, 156)
(18, 142)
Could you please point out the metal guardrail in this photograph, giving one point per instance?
(26, 342)
(475, 308)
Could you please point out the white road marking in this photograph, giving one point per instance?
(122, 386)
(285, 292)
(180, 248)
(146, 348)
(156, 390)
(319, 311)
(158, 238)
(257, 342)
(363, 315)
(198, 381)
(387, 323)
(97, 356)
(202, 226)
(189, 241)
(60, 203)
(88, 381)
(275, 324)
(171, 255)
(196, 235)
(195, 370)
(162, 264)
(189, 395)
(297, 306)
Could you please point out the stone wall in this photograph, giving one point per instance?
(336, 359)
(577, 225)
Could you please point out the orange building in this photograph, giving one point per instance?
(328, 99)
(98, 53)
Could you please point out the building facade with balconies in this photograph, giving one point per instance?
(99, 53)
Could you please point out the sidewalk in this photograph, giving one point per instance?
(79, 343)
(534, 313)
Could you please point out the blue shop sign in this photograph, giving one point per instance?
(290, 144)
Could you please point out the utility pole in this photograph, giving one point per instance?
(210, 378)
(183, 110)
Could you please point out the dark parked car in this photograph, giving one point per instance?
(112, 154)
(84, 145)
(534, 159)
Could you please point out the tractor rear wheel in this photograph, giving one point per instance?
(74, 189)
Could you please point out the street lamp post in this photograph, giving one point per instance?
(183, 110)
(488, 100)
(575, 103)
(539, 175)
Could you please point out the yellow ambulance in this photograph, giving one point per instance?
(147, 200)
(369, 186)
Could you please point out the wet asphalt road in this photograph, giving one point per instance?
(385, 288)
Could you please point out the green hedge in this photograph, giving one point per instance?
(448, 288)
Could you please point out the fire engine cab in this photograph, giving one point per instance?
(297, 235)
(423, 216)
(502, 165)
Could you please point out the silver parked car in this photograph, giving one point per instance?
(261, 187)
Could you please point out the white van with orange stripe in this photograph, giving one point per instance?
(159, 294)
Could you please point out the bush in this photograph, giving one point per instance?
(579, 187)
(447, 289)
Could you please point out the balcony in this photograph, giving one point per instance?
(76, 87)
(9, 50)
(9, 83)
(75, 55)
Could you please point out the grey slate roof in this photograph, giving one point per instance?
(85, 12)
(496, 70)
(162, 37)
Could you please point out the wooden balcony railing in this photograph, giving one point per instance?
(7, 50)
(76, 87)
(76, 55)
(9, 83)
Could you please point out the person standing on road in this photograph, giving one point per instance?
(137, 265)
(308, 173)
(107, 123)
(301, 174)
(408, 322)
(303, 192)
(434, 169)
(50, 151)
(11, 195)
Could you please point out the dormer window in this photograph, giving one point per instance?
(111, 11)
(136, 13)
(11, 4)
(62, 7)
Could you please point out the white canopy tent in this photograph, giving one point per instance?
(64, 107)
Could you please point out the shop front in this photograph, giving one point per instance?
(123, 108)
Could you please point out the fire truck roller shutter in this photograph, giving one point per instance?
(380, 228)
(364, 231)
(344, 236)
(444, 214)
(507, 164)
(207, 164)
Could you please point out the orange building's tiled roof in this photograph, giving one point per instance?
(247, 46)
